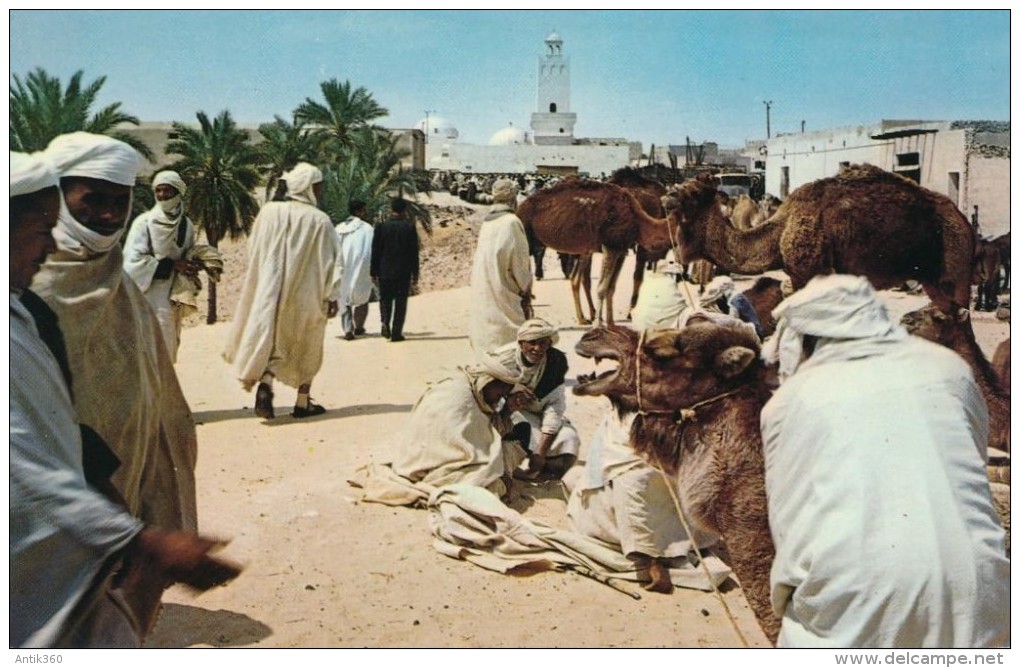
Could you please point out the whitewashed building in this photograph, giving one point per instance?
(549, 147)
(968, 161)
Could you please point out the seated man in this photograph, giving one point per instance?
(455, 435)
(539, 424)
(622, 500)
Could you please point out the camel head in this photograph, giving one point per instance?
(687, 206)
(933, 324)
(678, 368)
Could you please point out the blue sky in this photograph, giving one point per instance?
(649, 76)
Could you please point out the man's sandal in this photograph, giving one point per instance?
(312, 410)
(264, 402)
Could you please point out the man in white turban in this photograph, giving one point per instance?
(156, 251)
(501, 276)
(136, 443)
(454, 435)
(290, 289)
(540, 423)
(875, 449)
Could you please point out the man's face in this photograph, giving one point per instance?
(99, 205)
(534, 351)
(165, 192)
(317, 191)
(32, 234)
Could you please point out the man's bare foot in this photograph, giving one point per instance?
(660, 581)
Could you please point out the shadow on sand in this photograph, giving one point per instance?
(283, 414)
(188, 626)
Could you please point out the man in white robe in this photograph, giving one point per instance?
(155, 252)
(66, 538)
(879, 503)
(455, 435)
(623, 501)
(501, 276)
(355, 270)
(289, 291)
(540, 423)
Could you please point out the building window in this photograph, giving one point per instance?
(561, 130)
(784, 183)
(552, 107)
(908, 165)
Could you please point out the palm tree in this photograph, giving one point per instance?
(41, 110)
(220, 166)
(284, 145)
(344, 113)
(372, 173)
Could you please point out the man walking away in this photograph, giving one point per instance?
(289, 291)
(356, 281)
(395, 268)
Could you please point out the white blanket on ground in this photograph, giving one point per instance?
(471, 523)
(281, 312)
(879, 502)
(500, 275)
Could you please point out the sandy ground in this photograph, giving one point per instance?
(323, 570)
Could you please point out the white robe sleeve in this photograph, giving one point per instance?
(139, 261)
(520, 260)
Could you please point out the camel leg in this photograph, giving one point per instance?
(586, 284)
(612, 263)
(580, 275)
(639, 276)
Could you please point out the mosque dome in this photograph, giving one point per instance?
(437, 127)
(554, 37)
(510, 135)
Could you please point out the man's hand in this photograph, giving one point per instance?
(182, 557)
(526, 308)
(536, 463)
(518, 400)
(187, 267)
(332, 308)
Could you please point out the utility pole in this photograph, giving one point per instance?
(768, 126)
(802, 124)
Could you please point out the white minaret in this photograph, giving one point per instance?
(552, 122)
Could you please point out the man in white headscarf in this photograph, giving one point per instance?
(356, 279)
(125, 388)
(875, 449)
(501, 276)
(156, 250)
(540, 423)
(290, 289)
(454, 435)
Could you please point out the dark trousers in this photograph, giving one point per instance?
(393, 303)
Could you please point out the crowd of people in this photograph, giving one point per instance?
(103, 445)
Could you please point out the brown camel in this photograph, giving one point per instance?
(584, 217)
(957, 334)
(649, 194)
(715, 453)
(986, 276)
(765, 295)
(747, 214)
(1000, 365)
(1002, 243)
(864, 221)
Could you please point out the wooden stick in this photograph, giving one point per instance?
(609, 582)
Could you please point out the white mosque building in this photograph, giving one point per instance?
(548, 147)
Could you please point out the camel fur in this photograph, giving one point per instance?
(864, 221)
(714, 453)
(957, 334)
(583, 217)
(765, 295)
